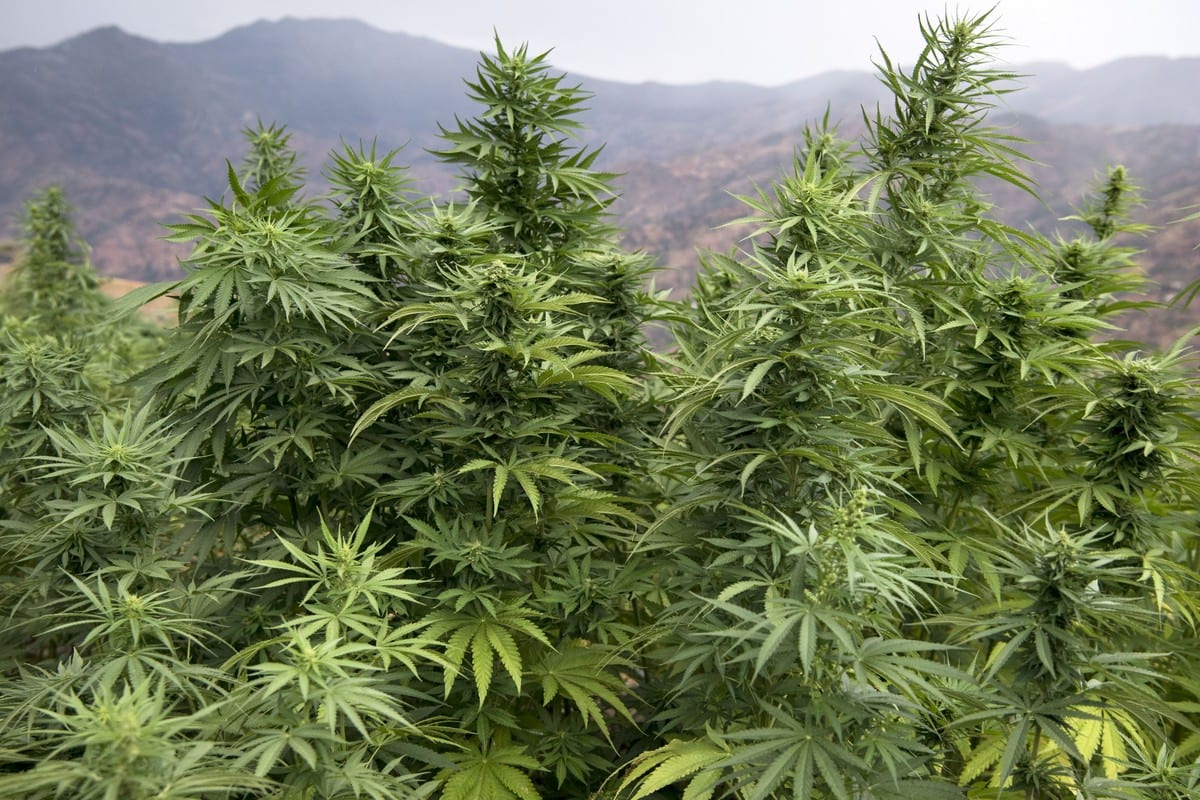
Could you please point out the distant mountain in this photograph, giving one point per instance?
(138, 131)
(1128, 92)
(166, 115)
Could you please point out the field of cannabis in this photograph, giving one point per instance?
(404, 506)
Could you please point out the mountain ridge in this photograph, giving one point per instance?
(138, 130)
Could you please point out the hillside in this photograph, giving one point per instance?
(674, 208)
(138, 132)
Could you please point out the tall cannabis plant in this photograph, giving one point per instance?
(515, 339)
(62, 363)
(921, 535)
(52, 282)
(260, 370)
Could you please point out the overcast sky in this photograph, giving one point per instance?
(675, 41)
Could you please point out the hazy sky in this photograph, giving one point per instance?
(675, 41)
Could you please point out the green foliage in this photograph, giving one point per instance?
(370, 195)
(922, 539)
(404, 507)
(270, 159)
(262, 368)
(52, 285)
(538, 189)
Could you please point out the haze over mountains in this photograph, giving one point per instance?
(138, 131)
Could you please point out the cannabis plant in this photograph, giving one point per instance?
(52, 283)
(406, 508)
(515, 337)
(921, 540)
